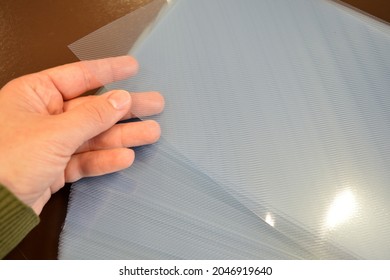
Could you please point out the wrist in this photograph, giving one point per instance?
(12, 186)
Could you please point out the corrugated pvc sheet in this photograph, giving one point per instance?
(275, 138)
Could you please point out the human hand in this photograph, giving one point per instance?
(49, 135)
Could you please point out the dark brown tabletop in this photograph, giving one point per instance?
(34, 36)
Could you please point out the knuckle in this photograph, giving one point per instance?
(95, 114)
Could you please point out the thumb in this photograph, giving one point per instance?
(92, 118)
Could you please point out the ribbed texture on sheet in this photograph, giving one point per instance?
(281, 110)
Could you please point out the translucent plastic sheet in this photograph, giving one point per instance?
(274, 139)
(142, 213)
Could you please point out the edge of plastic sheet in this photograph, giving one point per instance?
(118, 37)
(371, 19)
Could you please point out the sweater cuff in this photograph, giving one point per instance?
(16, 221)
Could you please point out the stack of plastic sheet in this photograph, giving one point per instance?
(275, 138)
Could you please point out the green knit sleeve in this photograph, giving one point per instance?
(16, 220)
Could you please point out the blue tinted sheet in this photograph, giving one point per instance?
(281, 109)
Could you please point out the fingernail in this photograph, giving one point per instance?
(119, 99)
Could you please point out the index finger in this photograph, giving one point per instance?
(73, 79)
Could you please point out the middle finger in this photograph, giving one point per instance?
(124, 135)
